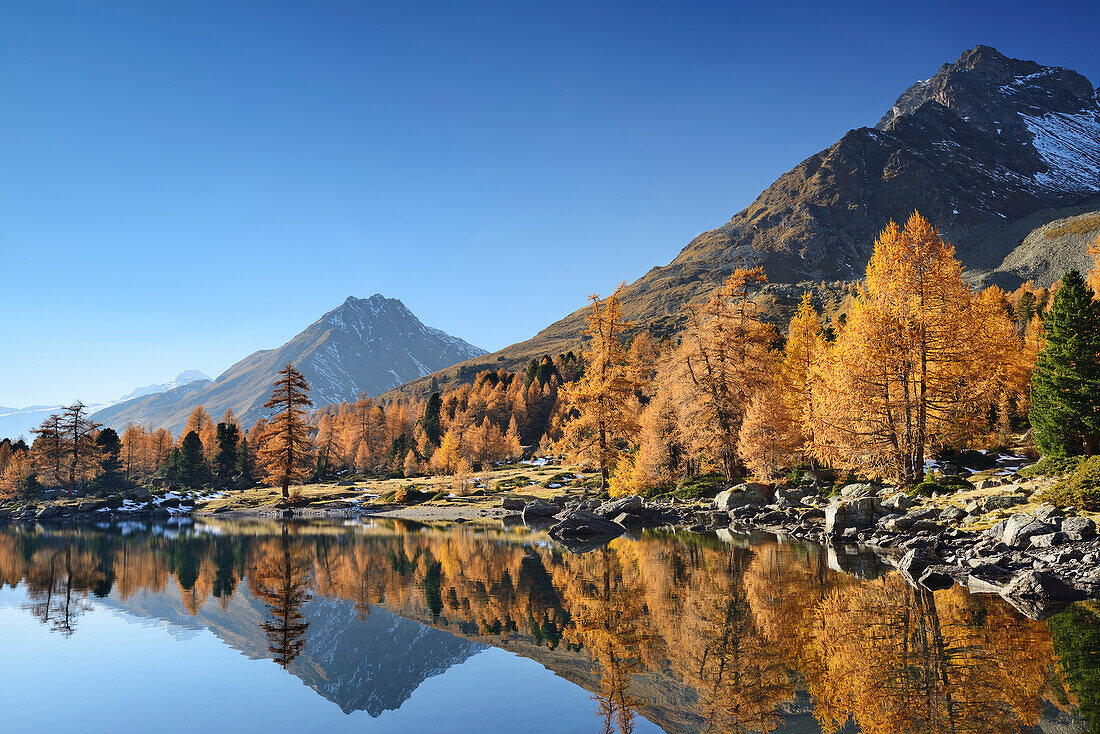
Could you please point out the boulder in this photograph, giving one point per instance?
(513, 503)
(899, 502)
(1079, 528)
(1048, 540)
(858, 513)
(170, 502)
(1002, 501)
(855, 491)
(1020, 527)
(536, 509)
(1045, 512)
(345, 483)
(952, 514)
(48, 512)
(89, 506)
(1038, 594)
(585, 523)
(611, 508)
(914, 563)
(629, 520)
(738, 497)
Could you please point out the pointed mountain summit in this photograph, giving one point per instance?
(999, 153)
(365, 345)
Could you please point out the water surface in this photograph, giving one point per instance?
(390, 627)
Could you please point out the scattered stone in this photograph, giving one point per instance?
(1079, 528)
(853, 513)
(48, 512)
(630, 503)
(914, 563)
(513, 503)
(630, 520)
(739, 496)
(536, 509)
(1002, 501)
(1036, 593)
(585, 523)
(1020, 527)
(952, 514)
(1048, 540)
(937, 577)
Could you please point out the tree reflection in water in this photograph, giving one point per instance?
(694, 633)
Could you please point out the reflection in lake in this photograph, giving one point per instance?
(685, 632)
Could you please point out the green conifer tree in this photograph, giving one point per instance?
(1065, 385)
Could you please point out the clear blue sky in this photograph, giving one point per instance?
(183, 183)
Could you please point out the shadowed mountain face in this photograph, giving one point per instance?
(366, 345)
(989, 148)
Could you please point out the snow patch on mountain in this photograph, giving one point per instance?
(1069, 145)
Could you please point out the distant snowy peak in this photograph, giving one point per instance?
(373, 344)
(184, 378)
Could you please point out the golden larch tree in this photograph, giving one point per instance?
(602, 403)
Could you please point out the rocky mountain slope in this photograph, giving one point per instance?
(992, 149)
(365, 345)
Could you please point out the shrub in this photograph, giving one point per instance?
(944, 485)
(1079, 489)
(1051, 466)
(296, 497)
(410, 496)
(702, 486)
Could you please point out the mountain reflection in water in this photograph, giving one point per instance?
(690, 632)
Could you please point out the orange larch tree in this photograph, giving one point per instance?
(286, 446)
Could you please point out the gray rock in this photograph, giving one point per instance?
(1045, 512)
(1048, 540)
(899, 502)
(1079, 528)
(914, 563)
(1002, 501)
(738, 497)
(1038, 591)
(611, 508)
(855, 491)
(48, 512)
(513, 503)
(937, 577)
(952, 514)
(585, 523)
(537, 509)
(856, 514)
(1020, 527)
(629, 520)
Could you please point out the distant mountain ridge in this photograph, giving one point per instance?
(184, 378)
(366, 345)
(991, 149)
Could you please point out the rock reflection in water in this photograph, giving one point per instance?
(691, 632)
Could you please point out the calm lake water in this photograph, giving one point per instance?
(391, 627)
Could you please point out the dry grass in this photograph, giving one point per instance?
(1080, 226)
(521, 480)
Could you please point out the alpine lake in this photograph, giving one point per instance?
(389, 626)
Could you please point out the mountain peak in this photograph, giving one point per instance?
(364, 345)
(986, 88)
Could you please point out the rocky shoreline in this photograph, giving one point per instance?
(1039, 560)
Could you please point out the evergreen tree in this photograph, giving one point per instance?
(1065, 385)
(226, 437)
(243, 464)
(109, 448)
(431, 422)
(188, 465)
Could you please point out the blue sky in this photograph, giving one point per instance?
(184, 183)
